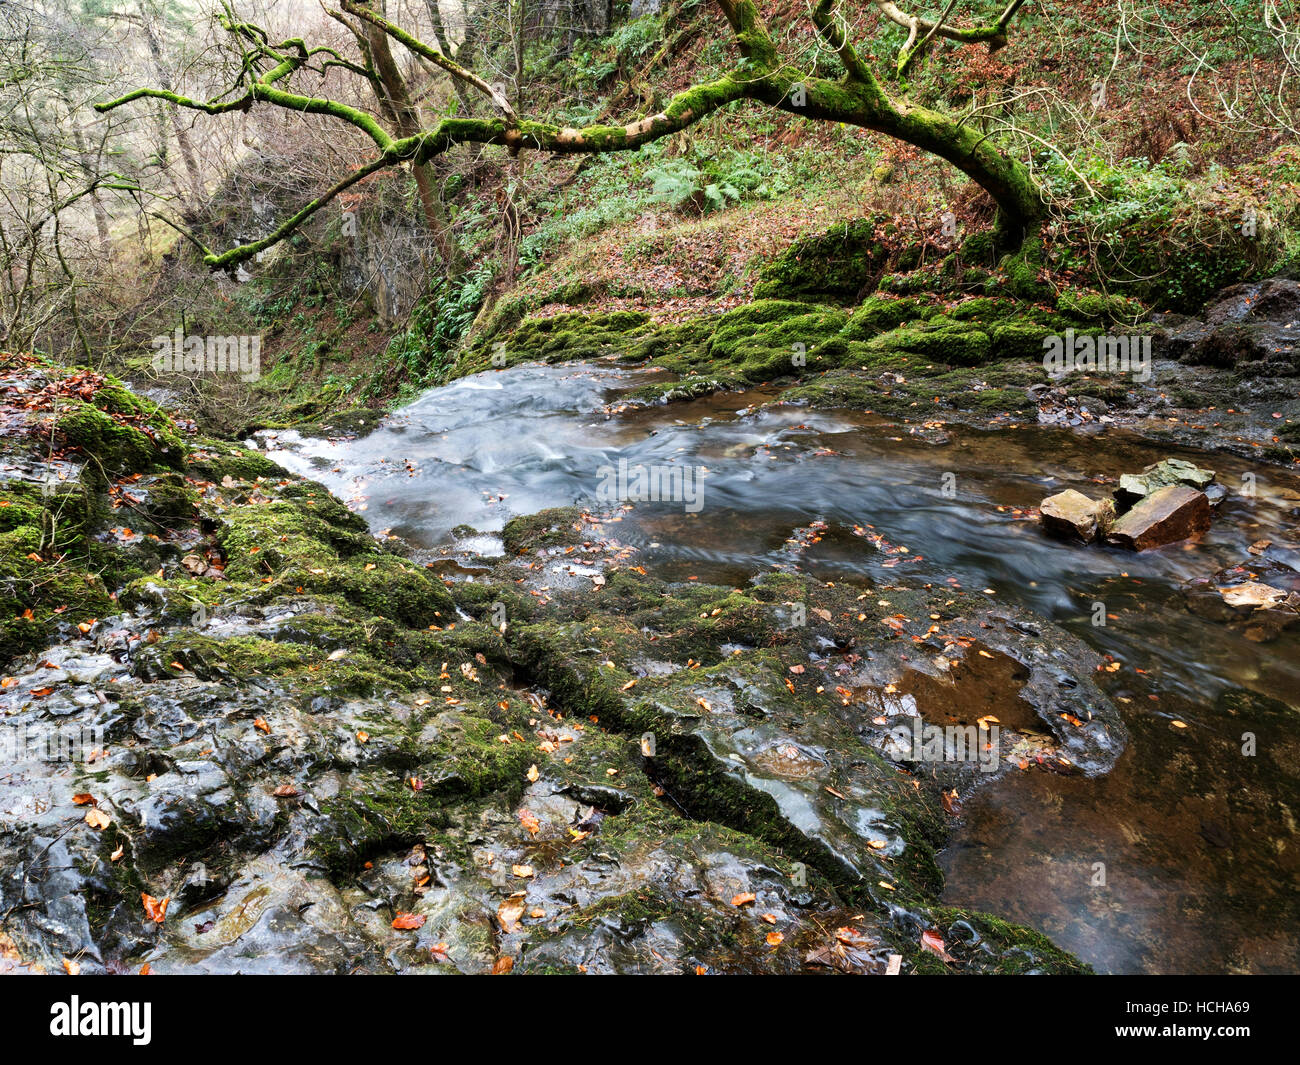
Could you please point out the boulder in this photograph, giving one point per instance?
(1072, 513)
(1134, 486)
(1165, 516)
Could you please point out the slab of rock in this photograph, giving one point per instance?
(1260, 598)
(1072, 513)
(1165, 516)
(1135, 486)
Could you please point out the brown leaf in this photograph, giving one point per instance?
(933, 942)
(509, 913)
(743, 899)
(503, 966)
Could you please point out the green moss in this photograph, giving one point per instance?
(562, 338)
(773, 338)
(956, 345)
(839, 265)
(558, 526)
(878, 314)
(217, 462)
(1098, 307)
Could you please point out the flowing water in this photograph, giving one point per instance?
(1182, 859)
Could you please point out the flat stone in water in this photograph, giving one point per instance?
(1164, 517)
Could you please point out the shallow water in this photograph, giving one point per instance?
(1197, 841)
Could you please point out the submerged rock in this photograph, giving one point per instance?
(1261, 597)
(1165, 516)
(1072, 513)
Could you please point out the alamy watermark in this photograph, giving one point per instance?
(179, 353)
(625, 483)
(950, 743)
(50, 743)
(1097, 354)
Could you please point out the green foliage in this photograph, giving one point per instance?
(426, 349)
(714, 183)
(1155, 231)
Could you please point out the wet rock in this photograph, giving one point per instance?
(629, 776)
(1260, 598)
(1165, 516)
(1134, 486)
(1072, 513)
(1270, 300)
(1252, 328)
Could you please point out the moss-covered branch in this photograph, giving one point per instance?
(995, 33)
(858, 99)
(433, 55)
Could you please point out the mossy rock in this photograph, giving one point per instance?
(954, 345)
(1019, 340)
(555, 527)
(772, 338)
(561, 338)
(113, 446)
(217, 462)
(1098, 307)
(878, 314)
(838, 265)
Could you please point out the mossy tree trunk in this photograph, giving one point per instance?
(858, 99)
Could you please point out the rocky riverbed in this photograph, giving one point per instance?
(244, 733)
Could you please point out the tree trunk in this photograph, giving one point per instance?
(406, 118)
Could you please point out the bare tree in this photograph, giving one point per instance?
(267, 71)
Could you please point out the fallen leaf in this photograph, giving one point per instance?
(154, 909)
(933, 942)
(97, 819)
(509, 913)
(405, 921)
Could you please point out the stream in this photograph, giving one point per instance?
(1190, 837)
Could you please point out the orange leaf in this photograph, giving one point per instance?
(509, 913)
(744, 898)
(154, 909)
(933, 942)
(408, 920)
